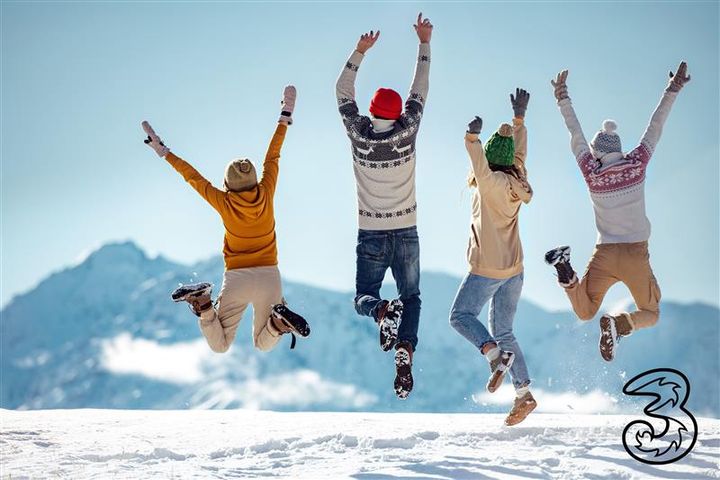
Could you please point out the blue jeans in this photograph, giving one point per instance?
(474, 293)
(398, 250)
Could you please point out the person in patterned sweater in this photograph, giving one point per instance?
(383, 150)
(246, 207)
(617, 190)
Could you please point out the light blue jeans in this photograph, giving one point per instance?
(474, 293)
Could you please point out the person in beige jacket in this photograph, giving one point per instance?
(499, 179)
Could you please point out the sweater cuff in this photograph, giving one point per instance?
(424, 49)
(564, 101)
(356, 57)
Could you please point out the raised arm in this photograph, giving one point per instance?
(578, 143)
(345, 86)
(214, 196)
(271, 166)
(654, 129)
(519, 103)
(420, 86)
(484, 177)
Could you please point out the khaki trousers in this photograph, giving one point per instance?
(628, 263)
(259, 286)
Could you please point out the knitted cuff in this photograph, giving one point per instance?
(285, 117)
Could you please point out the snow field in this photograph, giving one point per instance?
(119, 444)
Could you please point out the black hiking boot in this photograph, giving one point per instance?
(285, 320)
(560, 259)
(198, 295)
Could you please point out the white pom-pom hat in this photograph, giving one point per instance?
(606, 140)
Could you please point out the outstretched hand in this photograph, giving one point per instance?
(679, 79)
(423, 28)
(560, 85)
(367, 40)
(520, 102)
(153, 141)
(475, 126)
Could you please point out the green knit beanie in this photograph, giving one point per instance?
(500, 149)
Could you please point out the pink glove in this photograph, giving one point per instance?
(288, 104)
(153, 141)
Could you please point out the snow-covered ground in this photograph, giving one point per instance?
(120, 444)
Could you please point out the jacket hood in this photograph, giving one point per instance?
(521, 188)
(250, 204)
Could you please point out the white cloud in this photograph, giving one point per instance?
(176, 363)
(595, 401)
(194, 363)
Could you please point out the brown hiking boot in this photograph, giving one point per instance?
(498, 368)
(198, 295)
(612, 329)
(521, 409)
(403, 370)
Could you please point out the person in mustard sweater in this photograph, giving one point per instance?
(500, 183)
(250, 247)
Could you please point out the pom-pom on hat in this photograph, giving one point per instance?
(500, 149)
(606, 140)
(386, 103)
(240, 175)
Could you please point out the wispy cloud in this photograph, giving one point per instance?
(595, 401)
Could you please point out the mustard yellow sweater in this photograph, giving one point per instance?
(248, 217)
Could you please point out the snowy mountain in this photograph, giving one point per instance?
(102, 444)
(104, 334)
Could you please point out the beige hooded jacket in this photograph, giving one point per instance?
(494, 248)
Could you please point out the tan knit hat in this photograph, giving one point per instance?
(240, 175)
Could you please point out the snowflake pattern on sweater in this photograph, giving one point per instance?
(384, 162)
(627, 174)
(617, 191)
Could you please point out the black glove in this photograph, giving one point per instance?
(475, 126)
(520, 102)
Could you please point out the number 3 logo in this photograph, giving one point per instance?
(672, 430)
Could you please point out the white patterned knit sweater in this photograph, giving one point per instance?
(384, 163)
(617, 191)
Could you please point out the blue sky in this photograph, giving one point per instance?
(78, 78)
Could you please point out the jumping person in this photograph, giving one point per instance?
(617, 190)
(383, 149)
(250, 249)
(499, 178)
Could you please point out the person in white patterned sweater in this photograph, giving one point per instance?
(383, 150)
(617, 190)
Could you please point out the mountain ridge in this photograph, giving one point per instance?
(62, 340)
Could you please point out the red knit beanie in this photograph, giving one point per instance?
(386, 103)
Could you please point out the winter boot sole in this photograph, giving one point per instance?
(184, 292)
(497, 377)
(389, 326)
(608, 338)
(521, 413)
(293, 320)
(403, 374)
(556, 254)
